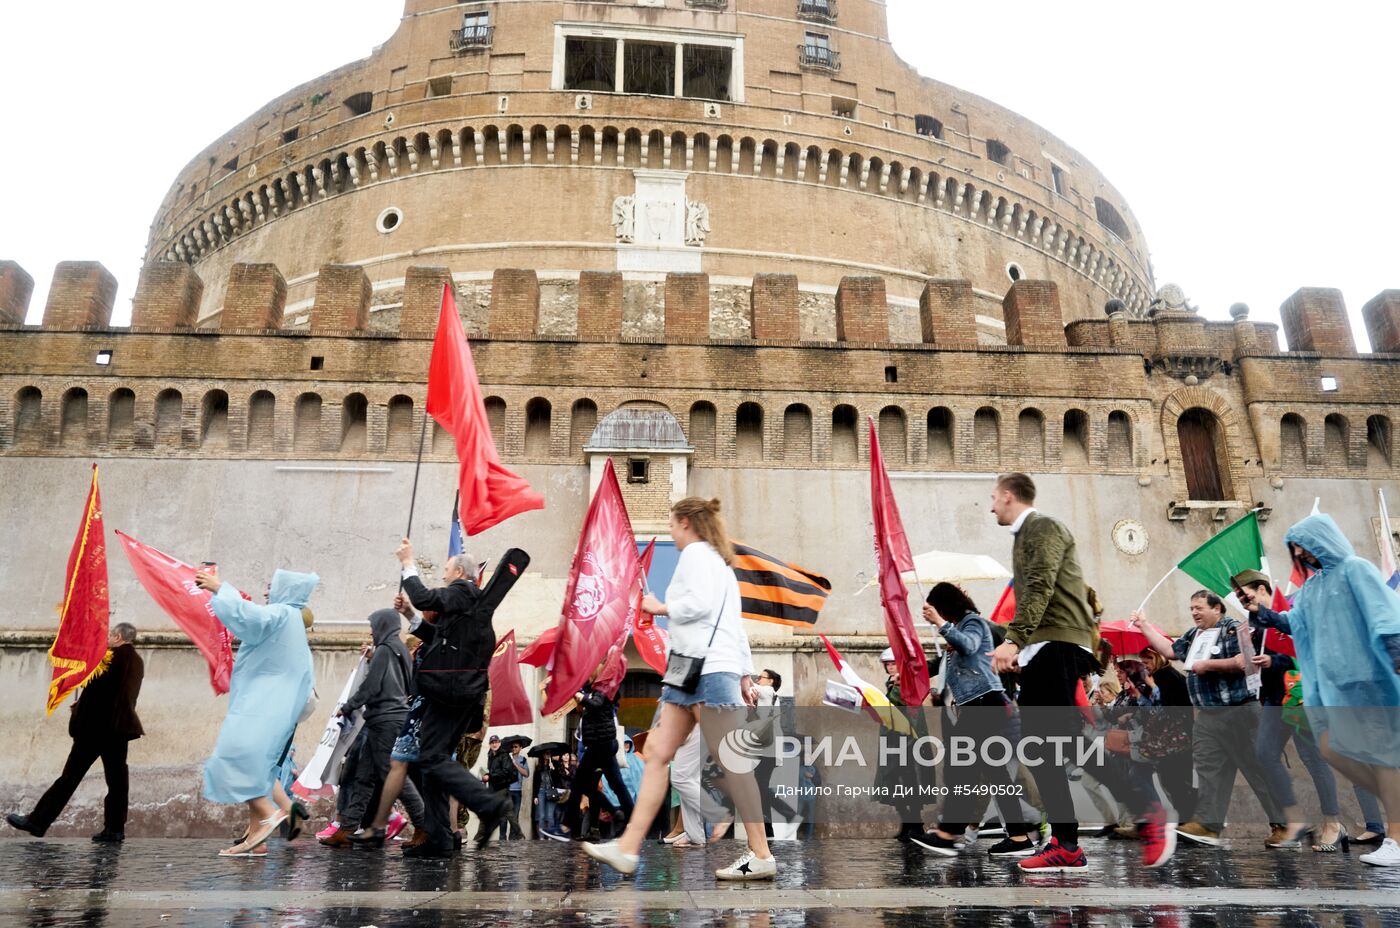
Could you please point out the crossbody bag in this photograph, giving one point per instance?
(682, 671)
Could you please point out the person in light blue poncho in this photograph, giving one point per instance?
(1345, 624)
(272, 679)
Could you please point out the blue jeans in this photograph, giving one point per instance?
(1370, 810)
(1272, 739)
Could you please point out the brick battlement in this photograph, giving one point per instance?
(1095, 396)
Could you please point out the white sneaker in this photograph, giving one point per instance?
(613, 856)
(1387, 855)
(749, 867)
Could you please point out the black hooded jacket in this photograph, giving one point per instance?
(385, 690)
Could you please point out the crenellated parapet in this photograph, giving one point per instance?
(1101, 396)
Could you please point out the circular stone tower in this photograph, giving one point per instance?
(729, 137)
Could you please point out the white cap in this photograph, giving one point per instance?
(887, 655)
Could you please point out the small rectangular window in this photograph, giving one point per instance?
(997, 151)
(706, 72)
(638, 470)
(650, 68)
(891, 374)
(104, 357)
(1057, 178)
(291, 134)
(231, 165)
(317, 362)
(440, 86)
(843, 107)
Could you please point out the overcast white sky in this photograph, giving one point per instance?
(1256, 141)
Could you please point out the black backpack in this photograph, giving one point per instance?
(454, 668)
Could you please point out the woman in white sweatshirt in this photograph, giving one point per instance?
(702, 604)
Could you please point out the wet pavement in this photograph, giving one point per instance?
(857, 883)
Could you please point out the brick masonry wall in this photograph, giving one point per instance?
(1315, 319)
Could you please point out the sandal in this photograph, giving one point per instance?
(1369, 839)
(296, 819)
(265, 829)
(683, 842)
(244, 850)
(1342, 843)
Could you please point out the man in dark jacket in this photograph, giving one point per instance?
(598, 731)
(383, 694)
(102, 725)
(457, 657)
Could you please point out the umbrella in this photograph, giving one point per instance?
(548, 747)
(1124, 638)
(947, 566)
(511, 741)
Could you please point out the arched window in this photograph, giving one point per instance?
(1203, 455)
(262, 407)
(583, 419)
(170, 409)
(1378, 447)
(986, 438)
(748, 432)
(29, 416)
(940, 436)
(1335, 433)
(1120, 439)
(121, 418)
(1110, 219)
(702, 430)
(400, 438)
(537, 420)
(1030, 437)
(845, 448)
(797, 434)
(213, 420)
(1292, 442)
(306, 433)
(354, 424)
(496, 419)
(73, 425)
(894, 440)
(1074, 448)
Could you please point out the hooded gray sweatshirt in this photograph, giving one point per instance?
(384, 691)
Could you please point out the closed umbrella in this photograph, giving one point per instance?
(950, 567)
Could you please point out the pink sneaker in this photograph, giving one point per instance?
(396, 824)
(329, 830)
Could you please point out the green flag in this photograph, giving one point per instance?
(1239, 547)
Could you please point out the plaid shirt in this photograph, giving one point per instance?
(1215, 689)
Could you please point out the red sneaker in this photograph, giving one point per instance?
(1158, 837)
(1052, 858)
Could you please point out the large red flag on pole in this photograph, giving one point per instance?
(602, 579)
(79, 650)
(489, 494)
(170, 582)
(892, 556)
(510, 704)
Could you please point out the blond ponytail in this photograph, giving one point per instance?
(703, 516)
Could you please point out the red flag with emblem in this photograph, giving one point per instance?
(79, 650)
(488, 493)
(170, 582)
(510, 704)
(602, 580)
(892, 557)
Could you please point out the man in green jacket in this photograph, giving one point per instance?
(1051, 642)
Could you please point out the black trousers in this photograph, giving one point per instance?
(599, 759)
(1176, 772)
(439, 777)
(763, 773)
(988, 716)
(81, 757)
(371, 767)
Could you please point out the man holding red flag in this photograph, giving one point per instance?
(893, 557)
(488, 493)
(1051, 640)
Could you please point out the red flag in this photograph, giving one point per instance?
(489, 494)
(609, 679)
(601, 580)
(510, 704)
(79, 650)
(541, 652)
(1275, 640)
(170, 583)
(891, 554)
(647, 637)
(1005, 609)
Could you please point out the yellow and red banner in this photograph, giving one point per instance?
(79, 649)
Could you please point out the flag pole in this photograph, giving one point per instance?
(418, 466)
(1156, 588)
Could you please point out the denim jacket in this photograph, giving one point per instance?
(969, 667)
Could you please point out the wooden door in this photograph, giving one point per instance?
(1196, 431)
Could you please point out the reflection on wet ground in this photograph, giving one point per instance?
(870, 884)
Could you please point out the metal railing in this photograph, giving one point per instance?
(823, 11)
(471, 38)
(818, 56)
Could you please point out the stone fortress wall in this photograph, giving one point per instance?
(481, 157)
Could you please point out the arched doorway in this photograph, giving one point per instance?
(1202, 459)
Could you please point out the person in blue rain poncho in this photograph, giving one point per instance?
(272, 679)
(1345, 624)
